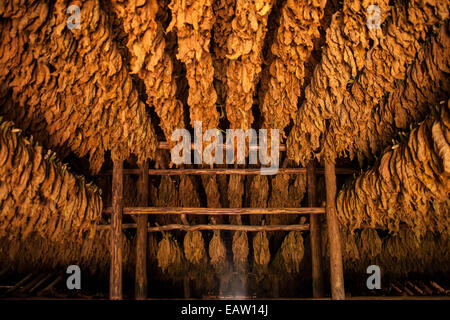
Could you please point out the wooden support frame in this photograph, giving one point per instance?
(115, 281)
(316, 256)
(117, 210)
(334, 238)
(141, 235)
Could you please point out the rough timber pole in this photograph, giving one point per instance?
(336, 268)
(141, 243)
(115, 280)
(316, 257)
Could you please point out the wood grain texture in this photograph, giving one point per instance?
(316, 256)
(217, 211)
(115, 281)
(141, 235)
(336, 268)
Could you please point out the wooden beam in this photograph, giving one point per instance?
(336, 268)
(51, 285)
(164, 145)
(19, 284)
(141, 235)
(231, 227)
(226, 171)
(115, 281)
(217, 211)
(40, 282)
(31, 284)
(316, 256)
(293, 227)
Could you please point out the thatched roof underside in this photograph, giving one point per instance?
(137, 70)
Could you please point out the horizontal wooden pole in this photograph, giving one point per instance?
(164, 145)
(293, 227)
(226, 171)
(133, 226)
(217, 211)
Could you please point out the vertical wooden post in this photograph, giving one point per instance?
(276, 287)
(314, 223)
(141, 244)
(115, 280)
(336, 268)
(187, 287)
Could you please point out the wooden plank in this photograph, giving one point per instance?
(396, 288)
(31, 284)
(217, 211)
(18, 284)
(226, 171)
(427, 289)
(412, 285)
(40, 282)
(51, 285)
(141, 234)
(316, 256)
(437, 287)
(115, 281)
(336, 268)
(293, 227)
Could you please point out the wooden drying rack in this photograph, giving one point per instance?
(117, 211)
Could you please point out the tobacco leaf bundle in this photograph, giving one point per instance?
(194, 247)
(292, 251)
(261, 251)
(426, 84)
(169, 256)
(244, 51)
(217, 251)
(280, 198)
(212, 196)
(408, 185)
(167, 197)
(69, 87)
(150, 61)
(39, 252)
(223, 13)
(188, 196)
(297, 191)
(401, 254)
(385, 65)
(193, 20)
(370, 243)
(152, 249)
(187, 193)
(240, 249)
(292, 47)
(235, 194)
(405, 254)
(347, 42)
(259, 194)
(39, 194)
